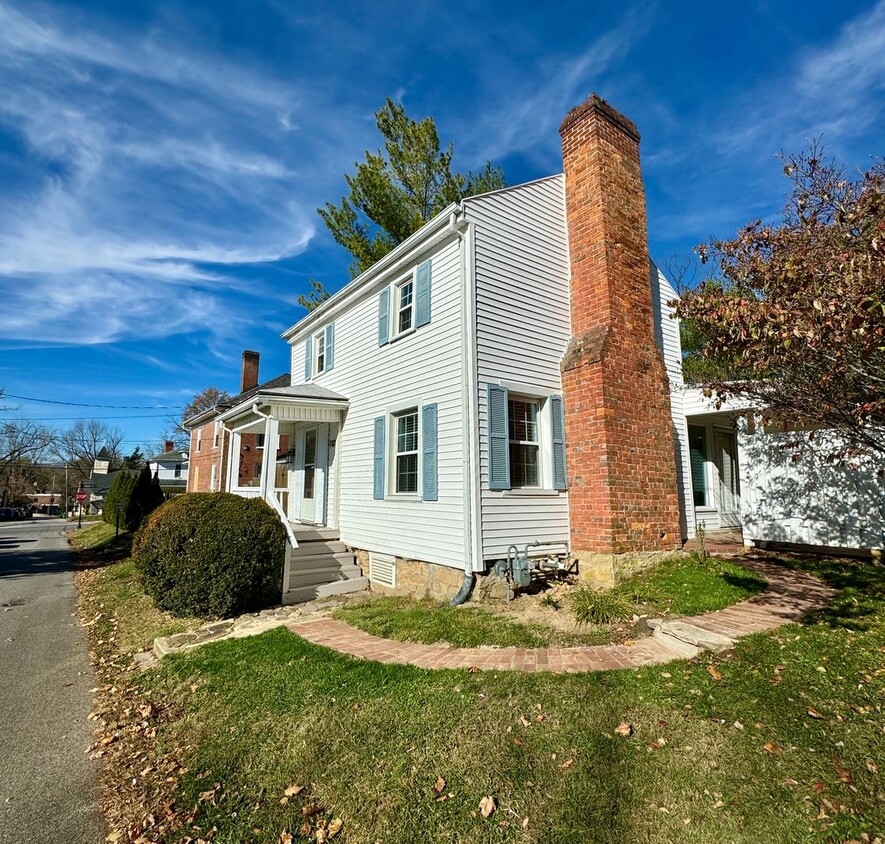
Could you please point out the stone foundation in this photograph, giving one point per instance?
(416, 579)
(605, 571)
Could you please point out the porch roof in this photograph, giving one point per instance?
(320, 401)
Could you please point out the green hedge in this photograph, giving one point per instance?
(212, 554)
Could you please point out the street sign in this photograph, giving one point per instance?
(81, 497)
(87, 486)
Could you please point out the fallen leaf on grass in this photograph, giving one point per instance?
(624, 729)
(335, 827)
(871, 766)
(518, 741)
(473, 669)
(813, 713)
(525, 823)
(714, 672)
(819, 787)
(775, 680)
(310, 810)
(440, 785)
(845, 776)
(568, 763)
(293, 789)
(540, 718)
(487, 806)
(285, 837)
(772, 747)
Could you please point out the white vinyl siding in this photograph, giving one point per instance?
(667, 338)
(523, 328)
(420, 368)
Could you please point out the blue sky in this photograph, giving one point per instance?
(161, 162)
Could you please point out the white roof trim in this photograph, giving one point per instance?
(426, 235)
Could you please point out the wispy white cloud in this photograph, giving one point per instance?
(147, 164)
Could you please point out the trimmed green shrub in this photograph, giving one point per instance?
(592, 607)
(212, 554)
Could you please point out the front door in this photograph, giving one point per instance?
(311, 474)
(725, 450)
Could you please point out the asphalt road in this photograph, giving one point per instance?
(48, 784)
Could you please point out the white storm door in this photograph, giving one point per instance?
(312, 468)
(725, 451)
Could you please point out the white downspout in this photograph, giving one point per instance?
(468, 395)
(224, 430)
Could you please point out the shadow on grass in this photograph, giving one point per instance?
(115, 550)
(860, 585)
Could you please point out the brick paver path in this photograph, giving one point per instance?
(789, 596)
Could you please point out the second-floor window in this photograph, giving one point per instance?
(320, 343)
(178, 470)
(404, 305)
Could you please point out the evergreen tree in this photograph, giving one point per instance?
(140, 500)
(120, 491)
(396, 191)
(157, 497)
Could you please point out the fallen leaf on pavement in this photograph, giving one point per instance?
(487, 806)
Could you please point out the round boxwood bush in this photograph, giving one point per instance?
(212, 554)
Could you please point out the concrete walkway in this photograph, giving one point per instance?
(48, 785)
(789, 596)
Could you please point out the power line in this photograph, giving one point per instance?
(97, 418)
(106, 406)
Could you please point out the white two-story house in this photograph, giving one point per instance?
(427, 416)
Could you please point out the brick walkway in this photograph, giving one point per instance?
(789, 596)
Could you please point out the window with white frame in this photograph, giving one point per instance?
(404, 305)
(213, 478)
(319, 342)
(177, 470)
(199, 439)
(522, 427)
(406, 451)
(215, 437)
(260, 441)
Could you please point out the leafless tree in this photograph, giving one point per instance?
(80, 444)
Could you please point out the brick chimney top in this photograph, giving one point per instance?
(250, 371)
(595, 103)
(169, 446)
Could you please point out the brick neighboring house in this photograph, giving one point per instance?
(210, 439)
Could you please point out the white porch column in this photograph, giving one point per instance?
(233, 462)
(269, 458)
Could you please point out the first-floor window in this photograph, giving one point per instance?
(406, 473)
(178, 470)
(212, 478)
(697, 451)
(522, 425)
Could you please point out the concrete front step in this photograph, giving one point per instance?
(322, 574)
(325, 590)
(314, 549)
(309, 533)
(690, 636)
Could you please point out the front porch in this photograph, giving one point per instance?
(282, 449)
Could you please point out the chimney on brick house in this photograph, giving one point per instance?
(168, 446)
(250, 371)
(621, 453)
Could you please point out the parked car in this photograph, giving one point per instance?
(6, 514)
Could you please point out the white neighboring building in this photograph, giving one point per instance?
(171, 469)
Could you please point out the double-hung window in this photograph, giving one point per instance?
(405, 305)
(406, 469)
(199, 439)
(522, 428)
(215, 437)
(320, 342)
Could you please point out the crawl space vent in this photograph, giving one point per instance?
(382, 570)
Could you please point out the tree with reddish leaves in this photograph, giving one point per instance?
(795, 312)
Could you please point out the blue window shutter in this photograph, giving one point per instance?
(557, 424)
(330, 346)
(422, 295)
(379, 458)
(499, 440)
(308, 358)
(429, 478)
(384, 317)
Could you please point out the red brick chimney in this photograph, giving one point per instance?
(169, 445)
(621, 455)
(250, 371)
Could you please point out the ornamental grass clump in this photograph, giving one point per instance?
(592, 607)
(212, 555)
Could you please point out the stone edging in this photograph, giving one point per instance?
(788, 597)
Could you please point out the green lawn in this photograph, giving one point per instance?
(786, 747)
(687, 587)
(682, 587)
